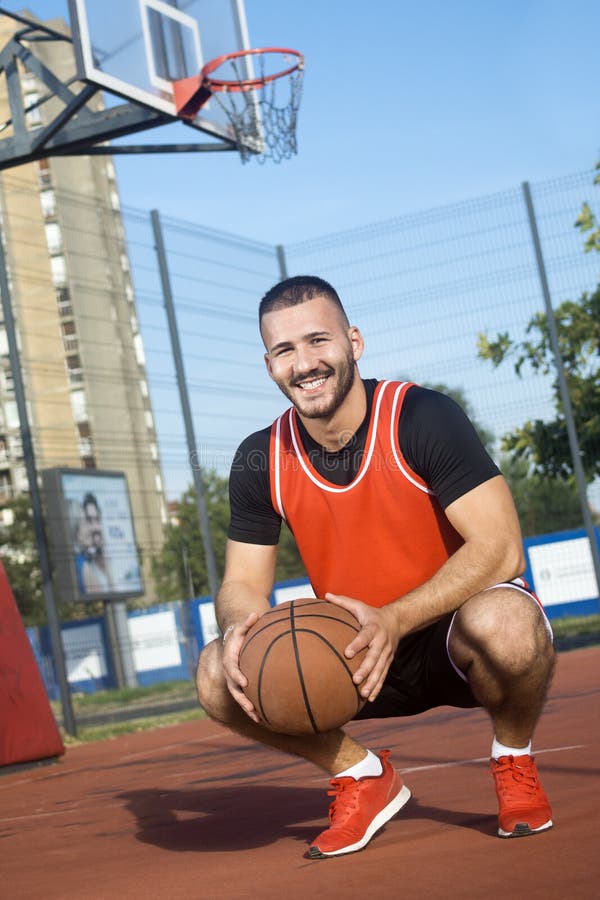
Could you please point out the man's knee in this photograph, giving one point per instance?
(505, 627)
(210, 679)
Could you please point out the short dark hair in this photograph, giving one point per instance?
(90, 500)
(296, 290)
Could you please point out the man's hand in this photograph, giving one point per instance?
(233, 640)
(379, 633)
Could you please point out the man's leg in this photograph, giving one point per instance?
(500, 640)
(332, 751)
(363, 802)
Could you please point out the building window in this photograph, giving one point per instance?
(44, 175)
(48, 201)
(11, 414)
(63, 300)
(79, 407)
(33, 116)
(5, 487)
(53, 237)
(15, 446)
(85, 447)
(59, 270)
(74, 369)
(139, 349)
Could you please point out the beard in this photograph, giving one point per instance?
(323, 407)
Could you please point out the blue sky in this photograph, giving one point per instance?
(406, 106)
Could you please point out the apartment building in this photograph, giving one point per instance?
(74, 305)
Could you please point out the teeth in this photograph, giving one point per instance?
(311, 385)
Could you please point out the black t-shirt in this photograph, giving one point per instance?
(436, 438)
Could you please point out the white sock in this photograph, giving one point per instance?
(370, 765)
(499, 750)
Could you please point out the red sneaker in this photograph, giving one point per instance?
(524, 807)
(361, 807)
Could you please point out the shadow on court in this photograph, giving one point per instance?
(249, 816)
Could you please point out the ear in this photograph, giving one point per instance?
(357, 341)
(267, 360)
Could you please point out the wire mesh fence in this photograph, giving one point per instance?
(424, 288)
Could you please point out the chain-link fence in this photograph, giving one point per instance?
(422, 287)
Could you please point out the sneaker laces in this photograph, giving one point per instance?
(346, 791)
(516, 779)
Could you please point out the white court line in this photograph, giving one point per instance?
(468, 762)
(484, 759)
(448, 765)
(151, 754)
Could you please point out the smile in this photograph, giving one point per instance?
(313, 384)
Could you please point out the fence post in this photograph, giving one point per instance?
(211, 566)
(563, 387)
(283, 270)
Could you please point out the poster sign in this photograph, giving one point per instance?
(91, 531)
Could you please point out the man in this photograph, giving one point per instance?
(402, 518)
(95, 574)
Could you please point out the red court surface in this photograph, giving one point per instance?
(191, 811)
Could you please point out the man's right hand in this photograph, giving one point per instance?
(236, 681)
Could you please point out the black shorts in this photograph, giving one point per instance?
(420, 677)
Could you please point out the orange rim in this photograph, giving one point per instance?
(247, 84)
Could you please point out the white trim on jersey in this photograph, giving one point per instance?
(393, 441)
(517, 584)
(278, 468)
(334, 489)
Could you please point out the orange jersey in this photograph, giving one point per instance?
(378, 537)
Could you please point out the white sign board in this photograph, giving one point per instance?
(563, 571)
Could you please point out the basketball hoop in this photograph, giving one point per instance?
(263, 124)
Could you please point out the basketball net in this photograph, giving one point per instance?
(261, 104)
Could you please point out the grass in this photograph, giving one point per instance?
(572, 626)
(162, 692)
(90, 733)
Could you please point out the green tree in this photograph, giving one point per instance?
(545, 445)
(20, 559)
(180, 567)
(543, 504)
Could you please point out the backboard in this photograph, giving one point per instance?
(136, 48)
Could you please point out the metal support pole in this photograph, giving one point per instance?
(283, 271)
(56, 644)
(211, 567)
(563, 387)
(113, 642)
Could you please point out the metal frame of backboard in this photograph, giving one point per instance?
(158, 94)
(78, 129)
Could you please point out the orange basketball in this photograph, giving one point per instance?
(299, 680)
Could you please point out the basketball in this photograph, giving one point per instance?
(299, 680)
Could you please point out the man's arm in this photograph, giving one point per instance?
(247, 582)
(242, 598)
(492, 552)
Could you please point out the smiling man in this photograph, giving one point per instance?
(402, 518)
